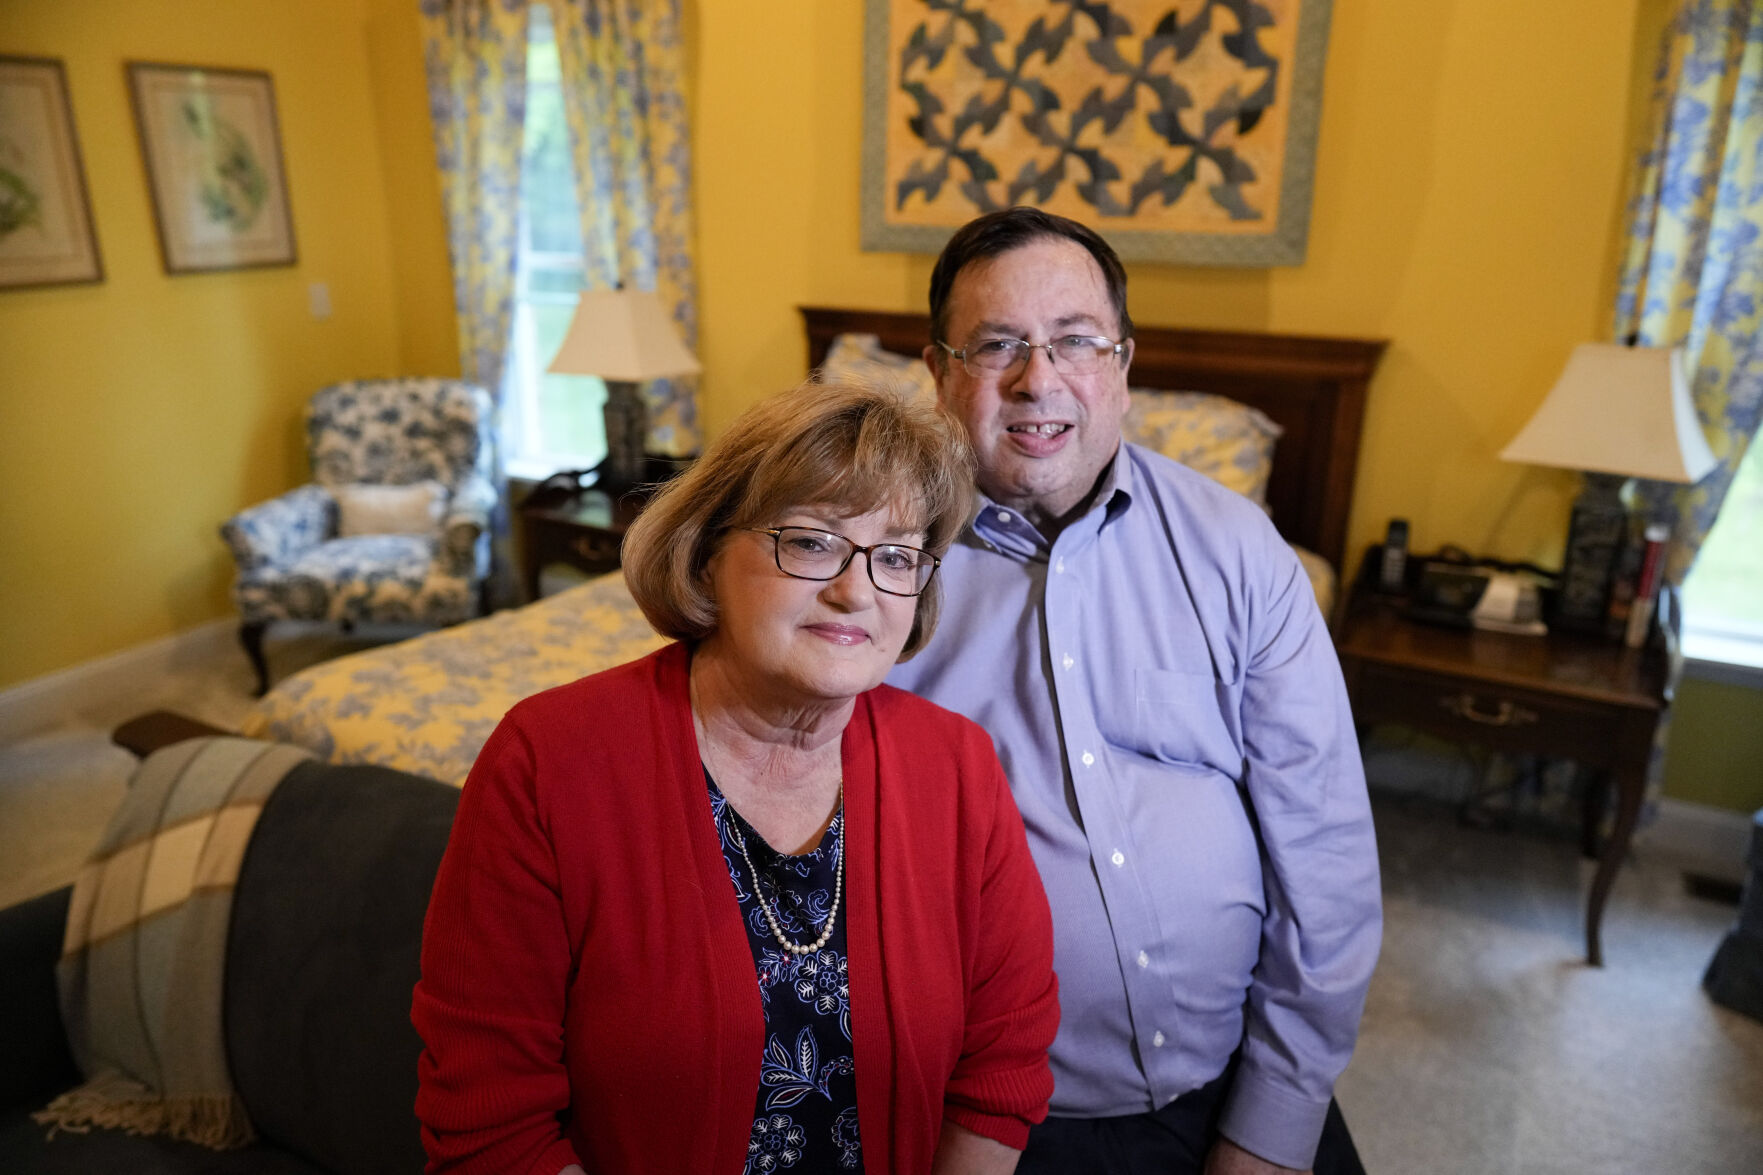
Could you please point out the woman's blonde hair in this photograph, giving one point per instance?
(853, 446)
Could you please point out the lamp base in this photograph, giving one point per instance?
(1594, 542)
(627, 428)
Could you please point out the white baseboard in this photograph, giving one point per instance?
(111, 689)
(1698, 837)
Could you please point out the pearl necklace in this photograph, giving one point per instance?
(777, 932)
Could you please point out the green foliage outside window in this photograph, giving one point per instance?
(1725, 588)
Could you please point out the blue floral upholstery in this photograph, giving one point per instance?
(292, 565)
(269, 534)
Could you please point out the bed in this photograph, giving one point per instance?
(1276, 417)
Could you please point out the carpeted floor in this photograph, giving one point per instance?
(1488, 1045)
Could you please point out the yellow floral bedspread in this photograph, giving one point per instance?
(427, 705)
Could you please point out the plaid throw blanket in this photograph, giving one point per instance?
(142, 967)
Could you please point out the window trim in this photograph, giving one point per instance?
(1711, 654)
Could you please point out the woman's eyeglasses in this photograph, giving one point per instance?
(806, 553)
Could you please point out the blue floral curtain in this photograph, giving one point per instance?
(624, 100)
(475, 53)
(476, 57)
(1692, 274)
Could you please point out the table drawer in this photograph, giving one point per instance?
(1498, 716)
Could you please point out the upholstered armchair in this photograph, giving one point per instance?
(394, 526)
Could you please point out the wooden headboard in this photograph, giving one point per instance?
(1313, 388)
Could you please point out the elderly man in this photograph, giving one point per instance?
(1150, 661)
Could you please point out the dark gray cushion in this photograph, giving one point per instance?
(323, 954)
(34, 1061)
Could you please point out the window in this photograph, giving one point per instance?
(549, 422)
(1723, 597)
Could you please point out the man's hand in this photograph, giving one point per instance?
(1227, 1158)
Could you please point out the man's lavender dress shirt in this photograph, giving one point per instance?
(1160, 685)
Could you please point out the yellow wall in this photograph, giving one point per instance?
(1716, 755)
(1467, 201)
(1469, 186)
(1472, 167)
(138, 413)
(428, 338)
(1471, 171)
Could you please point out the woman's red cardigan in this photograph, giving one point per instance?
(587, 990)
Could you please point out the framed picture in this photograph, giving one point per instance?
(214, 163)
(1182, 132)
(46, 235)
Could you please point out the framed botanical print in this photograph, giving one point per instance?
(1182, 132)
(46, 235)
(213, 153)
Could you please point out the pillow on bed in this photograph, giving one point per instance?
(380, 509)
(860, 357)
(1230, 443)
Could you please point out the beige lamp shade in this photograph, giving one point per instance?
(1621, 410)
(622, 335)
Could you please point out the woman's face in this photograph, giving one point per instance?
(801, 641)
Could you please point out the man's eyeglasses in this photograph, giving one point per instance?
(1077, 354)
(806, 553)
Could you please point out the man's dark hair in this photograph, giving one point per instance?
(999, 232)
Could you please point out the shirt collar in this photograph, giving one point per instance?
(1118, 485)
(1003, 528)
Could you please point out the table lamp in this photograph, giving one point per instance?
(624, 337)
(1616, 412)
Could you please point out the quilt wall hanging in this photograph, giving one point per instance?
(1183, 130)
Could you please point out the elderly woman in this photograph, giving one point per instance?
(737, 906)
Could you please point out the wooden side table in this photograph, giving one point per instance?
(584, 531)
(1567, 695)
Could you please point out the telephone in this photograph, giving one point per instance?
(560, 487)
(1453, 588)
(1477, 597)
(1393, 570)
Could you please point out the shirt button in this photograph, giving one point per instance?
(1068, 662)
(1003, 516)
(1089, 760)
(1059, 566)
(1119, 858)
(1144, 959)
(1157, 1039)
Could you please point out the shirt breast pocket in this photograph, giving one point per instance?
(1180, 718)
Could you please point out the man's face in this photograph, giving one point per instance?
(1042, 434)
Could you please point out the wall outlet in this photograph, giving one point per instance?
(318, 297)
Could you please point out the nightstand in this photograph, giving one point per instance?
(583, 530)
(561, 521)
(1577, 697)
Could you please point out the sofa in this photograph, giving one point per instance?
(322, 953)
